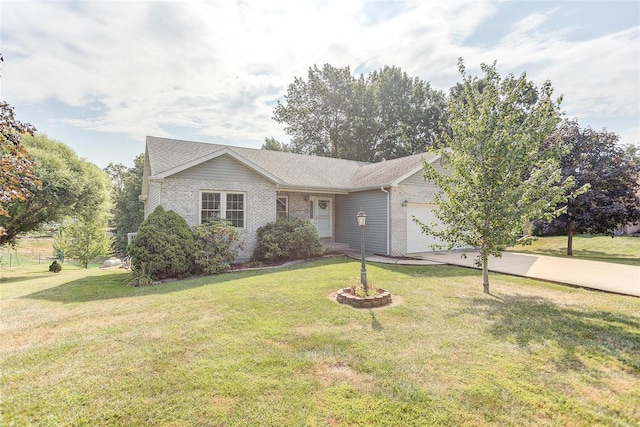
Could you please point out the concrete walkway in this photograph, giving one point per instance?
(604, 276)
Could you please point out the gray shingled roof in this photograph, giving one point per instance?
(293, 170)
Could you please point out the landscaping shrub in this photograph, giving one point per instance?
(217, 246)
(164, 244)
(55, 267)
(140, 276)
(287, 239)
(540, 227)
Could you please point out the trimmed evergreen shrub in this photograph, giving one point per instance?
(164, 244)
(217, 246)
(287, 239)
(55, 267)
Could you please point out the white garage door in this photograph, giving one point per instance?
(417, 241)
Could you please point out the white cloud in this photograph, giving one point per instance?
(139, 68)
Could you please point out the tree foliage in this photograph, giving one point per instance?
(128, 211)
(501, 173)
(382, 116)
(84, 239)
(17, 179)
(611, 171)
(272, 144)
(70, 187)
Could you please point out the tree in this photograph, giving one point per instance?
(84, 240)
(273, 144)
(70, 187)
(501, 173)
(117, 172)
(317, 112)
(128, 211)
(611, 171)
(86, 234)
(17, 179)
(382, 116)
(410, 113)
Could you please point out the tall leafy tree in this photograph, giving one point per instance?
(317, 112)
(610, 170)
(117, 172)
(128, 211)
(500, 172)
(272, 144)
(69, 188)
(384, 115)
(410, 113)
(17, 179)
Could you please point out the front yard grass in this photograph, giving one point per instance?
(268, 348)
(619, 249)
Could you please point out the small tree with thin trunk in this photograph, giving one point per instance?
(501, 173)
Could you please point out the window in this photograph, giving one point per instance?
(282, 207)
(235, 209)
(229, 206)
(211, 207)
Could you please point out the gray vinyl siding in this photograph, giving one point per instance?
(418, 177)
(415, 179)
(153, 199)
(223, 168)
(374, 204)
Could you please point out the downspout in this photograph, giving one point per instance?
(388, 218)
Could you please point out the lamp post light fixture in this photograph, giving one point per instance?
(362, 219)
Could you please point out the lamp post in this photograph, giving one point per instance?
(362, 219)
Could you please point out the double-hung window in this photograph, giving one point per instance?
(282, 207)
(226, 205)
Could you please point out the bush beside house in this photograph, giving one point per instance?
(164, 246)
(217, 246)
(287, 239)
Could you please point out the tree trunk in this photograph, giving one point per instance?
(570, 238)
(485, 274)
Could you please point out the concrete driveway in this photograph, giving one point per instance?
(617, 278)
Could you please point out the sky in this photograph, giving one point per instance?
(100, 76)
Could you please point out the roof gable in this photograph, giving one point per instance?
(287, 170)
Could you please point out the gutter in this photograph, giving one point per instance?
(372, 187)
(311, 190)
(388, 218)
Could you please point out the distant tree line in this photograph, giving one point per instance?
(381, 116)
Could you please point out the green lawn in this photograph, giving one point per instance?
(619, 249)
(270, 348)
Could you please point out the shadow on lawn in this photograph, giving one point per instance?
(17, 279)
(442, 270)
(112, 286)
(533, 322)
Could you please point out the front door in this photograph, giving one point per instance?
(320, 215)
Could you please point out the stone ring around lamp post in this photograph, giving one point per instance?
(346, 296)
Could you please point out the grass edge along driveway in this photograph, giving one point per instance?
(618, 249)
(270, 349)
